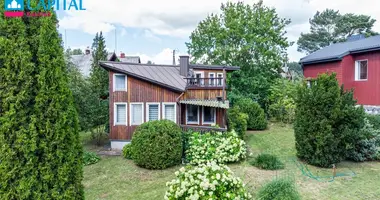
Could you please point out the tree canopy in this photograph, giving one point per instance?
(248, 36)
(329, 26)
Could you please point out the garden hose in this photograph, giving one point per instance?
(305, 171)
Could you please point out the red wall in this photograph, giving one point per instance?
(366, 92)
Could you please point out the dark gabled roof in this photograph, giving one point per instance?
(337, 51)
(199, 66)
(163, 75)
(130, 59)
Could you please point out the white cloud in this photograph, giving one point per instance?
(123, 32)
(163, 57)
(150, 36)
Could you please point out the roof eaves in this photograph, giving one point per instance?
(104, 65)
(363, 50)
(317, 61)
(229, 68)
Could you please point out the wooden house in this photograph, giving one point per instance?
(191, 95)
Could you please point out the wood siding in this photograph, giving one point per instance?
(202, 94)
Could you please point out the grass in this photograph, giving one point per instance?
(118, 178)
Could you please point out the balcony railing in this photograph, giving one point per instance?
(202, 129)
(204, 82)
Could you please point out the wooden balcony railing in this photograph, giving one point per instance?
(205, 82)
(202, 129)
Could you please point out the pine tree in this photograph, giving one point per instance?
(40, 150)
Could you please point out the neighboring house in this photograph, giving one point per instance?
(357, 65)
(84, 61)
(193, 96)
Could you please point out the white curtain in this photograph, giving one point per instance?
(121, 114)
(153, 112)
(137, 114)
(169, 112)
(120, 82)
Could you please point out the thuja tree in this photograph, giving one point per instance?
(40, 150)
(326, 121)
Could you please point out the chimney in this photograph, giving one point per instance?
(88, 51)
(122, 55)
(183, 65)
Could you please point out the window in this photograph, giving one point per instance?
(137, 114)
(152, 111)
(209, 115)
(169, 112)
(361, 70)
(211, 78)
(220, 79)
(120, 114)
(198, 78)
(192, 116)
(120, 82)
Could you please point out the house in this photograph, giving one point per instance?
(84, 61)
(357, 65)
(191, 95)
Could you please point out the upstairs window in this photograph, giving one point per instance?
(220, 79)
(120, 82)
(361, 70)
(211, 77)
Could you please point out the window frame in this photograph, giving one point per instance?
(203, 116)
(212, 79)
(202, 76)
(357, 70)
(175, 110)
(222, 81)
(125, 82)
(130, 113)
(147, 110)
(115, 123)
(192, 122)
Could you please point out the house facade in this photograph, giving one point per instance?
(193, 96)
(357, 65)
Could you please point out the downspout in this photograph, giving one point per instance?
(179, 105)
(224, 96)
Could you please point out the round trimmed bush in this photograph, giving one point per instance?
(127, 151)
(157, 145)
(256, 115)
(267, 161)
(206, 181)
(279, 189)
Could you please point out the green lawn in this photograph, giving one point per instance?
(118, 178)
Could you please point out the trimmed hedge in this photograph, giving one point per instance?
(127, 151)
(374, 120)
(279, 189)
(157, 145)
(237, 121)
(267, 161)
(256, 115)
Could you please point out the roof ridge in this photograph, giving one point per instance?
(141, 64)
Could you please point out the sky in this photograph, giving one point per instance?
(152, 29)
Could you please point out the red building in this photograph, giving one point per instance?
(356, 63)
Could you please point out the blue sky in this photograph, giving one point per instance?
(152, 29)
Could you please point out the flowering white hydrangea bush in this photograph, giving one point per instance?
(206, 181)
(221, 148)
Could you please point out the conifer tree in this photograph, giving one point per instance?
(40, 150)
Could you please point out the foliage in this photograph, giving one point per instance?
(330, 26)
(70, 51)
(219, 147)
(281, 101)
(326, 122)
(127, 151)
(374, 120)
(90, 158)
(296, 70)
(256, 115)
(40, 150)
(99, 135)
(99, 82)
(237, 121)
(366, 144)
(267, 161)
(248, 36)
(157, 145)
(206, 181)
(279, 189)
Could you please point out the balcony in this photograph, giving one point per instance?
(205, 83)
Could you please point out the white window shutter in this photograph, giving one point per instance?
(153, 112)
(170, 112)
(121, 113)
(137, 114)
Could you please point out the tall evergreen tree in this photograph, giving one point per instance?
(40, 150)
(99, 81)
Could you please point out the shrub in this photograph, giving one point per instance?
(127, 151)
(374, 120)
(256, 115)
(207, 181)
(367, 143)
(281, 100)
(267, 161)
(221, 148)
(279, 189)
(237, 121)
(99, 136)
(90, 158)
(157, 145)
(326, 122)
